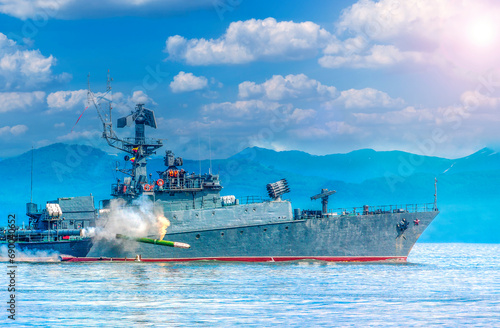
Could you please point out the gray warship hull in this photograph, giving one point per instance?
(268, 238)
(78, 248)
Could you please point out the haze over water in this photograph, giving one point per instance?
(446, 285)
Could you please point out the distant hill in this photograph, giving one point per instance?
(356, 166)
(468, 189)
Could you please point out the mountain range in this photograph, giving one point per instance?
(468, 187)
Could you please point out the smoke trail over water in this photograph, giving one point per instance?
(29, 255)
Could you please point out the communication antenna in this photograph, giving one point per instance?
(435, 194)
(199, 149)
(210, 150)
(31, 189)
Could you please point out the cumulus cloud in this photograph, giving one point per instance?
(377, 56)
(80, 135)
(139, 97)
(474, 99)
(369, 34)
(73, 9)
(60, 101)
(393, 32)
(251, 40)
(125, 104)
(298, 115)
(240, 109)
(328, 131)
(297, 89)
(367, 98)
(13, 130)
(24, 69)
(255, 112)
(390, 19)
(291, 86)
(66, 100)
(20, 100)
(184, 82)
(405, 116)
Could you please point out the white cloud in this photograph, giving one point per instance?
(254, 39)
(255, 112)
(290, 86)
(24, 69)
(441, 33)
(404, 117)
(184, 82)
(368, 34)
(474, 99)
(139, 97)
(73, 9)
(310, 133)
(14, 130)
(20, 100)
(124, 105)
(377, 56)
(240, 109)
(337, 127)
(367, 98)
(299, 115)
(66, 100)
(299, 88)
(389, 19)
(80, 135)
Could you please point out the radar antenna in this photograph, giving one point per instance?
(324, 199)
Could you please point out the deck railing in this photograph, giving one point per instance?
(373, 210)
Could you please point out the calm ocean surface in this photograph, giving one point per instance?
(448, 285)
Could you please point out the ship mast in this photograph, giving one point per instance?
(139, 147)
(31, 188)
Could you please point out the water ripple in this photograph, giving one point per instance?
(445, 285)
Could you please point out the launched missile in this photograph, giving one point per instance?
(155, 241)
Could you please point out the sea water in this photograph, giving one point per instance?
(447, 285)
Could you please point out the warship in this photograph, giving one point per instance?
(224, 228)
(206, 225)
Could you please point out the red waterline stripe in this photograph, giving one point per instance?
(243, 259)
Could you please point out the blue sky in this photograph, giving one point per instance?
(322, 76)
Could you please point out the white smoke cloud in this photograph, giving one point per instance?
(141, 219)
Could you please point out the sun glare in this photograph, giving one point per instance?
(482, 33)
